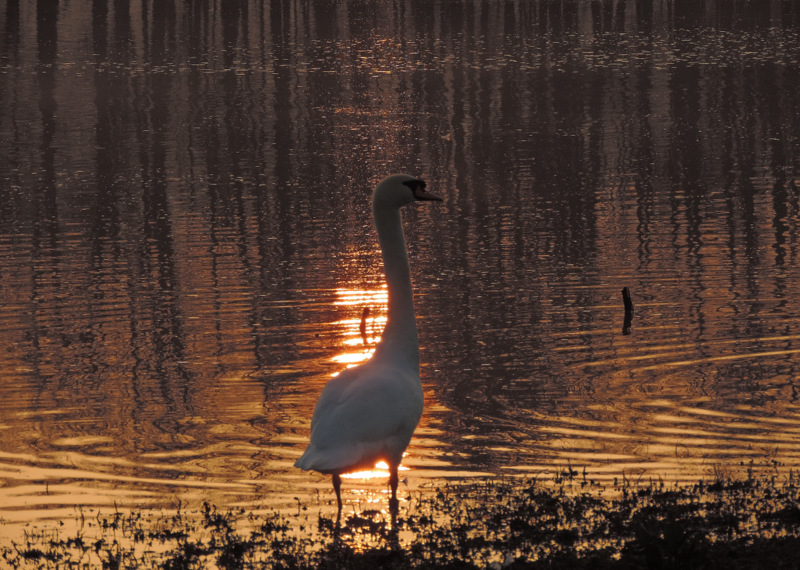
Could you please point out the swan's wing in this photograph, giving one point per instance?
(365, 412)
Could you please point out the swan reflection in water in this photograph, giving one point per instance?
(369, 412)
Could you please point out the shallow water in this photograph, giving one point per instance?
(186, 248)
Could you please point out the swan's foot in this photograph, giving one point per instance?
(337, 486)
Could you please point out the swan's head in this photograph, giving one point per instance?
(397, 190)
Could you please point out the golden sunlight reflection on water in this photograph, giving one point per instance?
(360, 335)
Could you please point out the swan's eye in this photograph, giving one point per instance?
(418, 189)
(416, 185)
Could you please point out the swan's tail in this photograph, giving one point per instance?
(315, 460)
(305, 461)
(339, 460)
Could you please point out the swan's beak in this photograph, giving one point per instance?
(421, 194)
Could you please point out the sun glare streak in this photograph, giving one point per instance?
(353, 357)
(350, 297)
(381, 469)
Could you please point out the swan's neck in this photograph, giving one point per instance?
(399, 339)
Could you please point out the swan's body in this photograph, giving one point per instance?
(369, 412)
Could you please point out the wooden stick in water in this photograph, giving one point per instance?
(626, 299)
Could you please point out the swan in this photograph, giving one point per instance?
(369, 412)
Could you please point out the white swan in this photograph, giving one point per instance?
(369, 412)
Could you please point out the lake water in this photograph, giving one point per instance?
(187, 251)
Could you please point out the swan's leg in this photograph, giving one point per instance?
(393, 480)
(337, 486)
(393, 502)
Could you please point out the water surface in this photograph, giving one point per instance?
(186, 247)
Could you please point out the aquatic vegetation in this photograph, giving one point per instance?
(494, 524)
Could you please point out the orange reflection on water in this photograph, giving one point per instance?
(362, 333)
